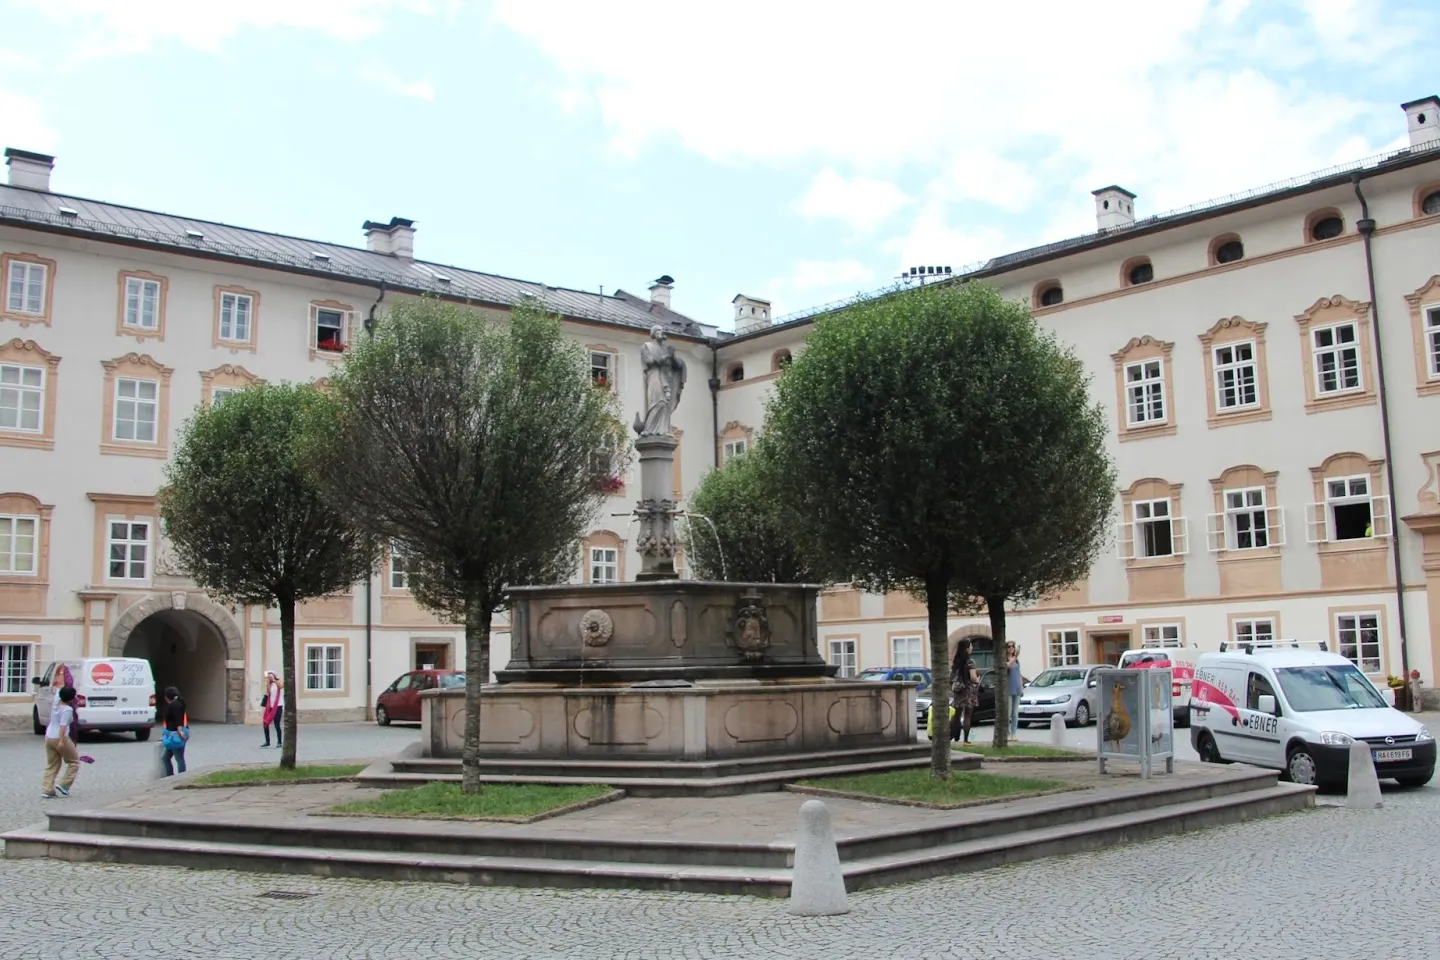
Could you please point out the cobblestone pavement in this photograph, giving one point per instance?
(1331, 883)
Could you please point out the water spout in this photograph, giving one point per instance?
(724, 574)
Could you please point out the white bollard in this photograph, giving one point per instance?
(1363, 788)
(1057, 729)
(817, 888)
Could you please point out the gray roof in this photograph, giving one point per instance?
(161, 231)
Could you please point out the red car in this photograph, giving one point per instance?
(401, 700)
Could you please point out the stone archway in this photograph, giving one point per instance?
(983, 647)
(176, 608)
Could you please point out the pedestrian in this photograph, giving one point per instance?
(964, 690)
(1016, 684)
(177, 732)
(273, 703)
(60, 746)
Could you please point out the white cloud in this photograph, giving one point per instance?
(104, 28)
(861, 202)
(391, 83)
(818, 281)
(23, 124)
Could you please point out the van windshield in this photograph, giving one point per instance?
(1059, 678)
(1337, 687)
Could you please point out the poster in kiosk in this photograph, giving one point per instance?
(1136, 722)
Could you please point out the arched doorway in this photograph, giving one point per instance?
(192, 643)
(982, 647)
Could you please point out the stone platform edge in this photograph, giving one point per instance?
(902, 802)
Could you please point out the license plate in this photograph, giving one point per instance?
(133, 713)
(102, 701)
(1389, 756)
(1033, 710)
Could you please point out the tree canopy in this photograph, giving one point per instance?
(750, 540)
(912, 439)
(246, 521)
(480, 447)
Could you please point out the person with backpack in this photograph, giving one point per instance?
(177, 732)
(60, 746)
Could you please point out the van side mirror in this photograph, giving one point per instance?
(1266, 704)
(1094, 683)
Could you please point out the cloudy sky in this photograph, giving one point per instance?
(788, 149)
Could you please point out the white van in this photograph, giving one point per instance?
(112, 694)
(1298, 708)
(1180, 659)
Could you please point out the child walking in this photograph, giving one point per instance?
(60, 747)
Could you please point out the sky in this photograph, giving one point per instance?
(796, 151)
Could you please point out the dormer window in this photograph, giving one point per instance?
(1138, 271)
(1229, 251)
(1051, 295)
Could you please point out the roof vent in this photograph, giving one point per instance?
(1114, 207)
(194, 234)
(1422, 117)
(69, 211)
(316, 254)
(29, 170)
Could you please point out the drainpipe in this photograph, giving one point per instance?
(1366, 226)
(370, 579)
(715, 404)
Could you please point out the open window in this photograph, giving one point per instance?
(1349, 512)
(1152, 530)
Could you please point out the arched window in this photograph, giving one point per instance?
(780, 360)
(1136, 271)
(1049, 293)
(735, 373)
(1226, 249)
(1324, 225)
(1431, 204)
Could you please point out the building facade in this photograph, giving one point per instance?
(1272, 484)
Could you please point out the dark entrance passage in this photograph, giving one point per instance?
(185, 651)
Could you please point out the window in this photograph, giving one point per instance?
(1347, 501)
(1052, 295)
(15, 668)
(129, 549)
(329, 330)
(236, 309)
(25, 288)
(842, 655)
(1431, 203)
(1432, 341)
(1153, 534)
(1256, 688)
(1235, 376)
(1141, 273)
(601, 373)
(736, 373)
(1254, 631)
(324, 666)
(137, 409)
(22, 392)
(1336, 351)
(1063, 647)
(780, 360)
(142, 304)
(18, 545)
(604, 564)
(399, 568)
(906, 652)
(1162, 634)
(218, 394)
(734, 448)
(1327, 228)
(1247, 525)
(1359, 636)
(1144, 392)
(1230, 251)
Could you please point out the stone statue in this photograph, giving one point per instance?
(664, 380)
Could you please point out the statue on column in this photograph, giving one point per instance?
(664, 374)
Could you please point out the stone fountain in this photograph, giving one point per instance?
(665, 669)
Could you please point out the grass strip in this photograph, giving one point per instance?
(917, 785)
(507, 800)
(1017, 750)
(276, 775)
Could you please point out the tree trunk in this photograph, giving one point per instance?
(1002, 672)
(937, 606)
(287, 671)
(477, 672)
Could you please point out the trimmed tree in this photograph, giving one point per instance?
(886, 433)
(479, 447)
(246, 522)
(738, 531)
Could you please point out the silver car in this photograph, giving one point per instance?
(1068, 691)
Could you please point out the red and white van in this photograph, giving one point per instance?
(112, 694)
(1180, 660)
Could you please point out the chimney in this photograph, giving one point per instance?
(1114, 207)
(395, 239)
(1421, 116)
(29, 170)
(660, 290)
(751, 313)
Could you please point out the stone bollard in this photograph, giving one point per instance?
(1057, 729)
(1363, 787)
(817, 888)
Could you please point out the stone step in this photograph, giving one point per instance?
(670, 786)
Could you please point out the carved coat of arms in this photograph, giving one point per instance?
(752, 626)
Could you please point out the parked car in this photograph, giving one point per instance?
(920, 675)
(984, 713)
(401, 700)
(1068, 691)
(1180, 660)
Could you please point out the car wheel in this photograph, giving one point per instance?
(1209, 752)
(382, 716)
(1082, 714)
(1300, 767)
(142, 735)
(1416, 780)
(39, 727)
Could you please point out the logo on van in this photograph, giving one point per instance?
(101, 674)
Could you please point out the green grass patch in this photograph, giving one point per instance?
(276, 775)
(1017, 750)
(508, 800)
(917, 785)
